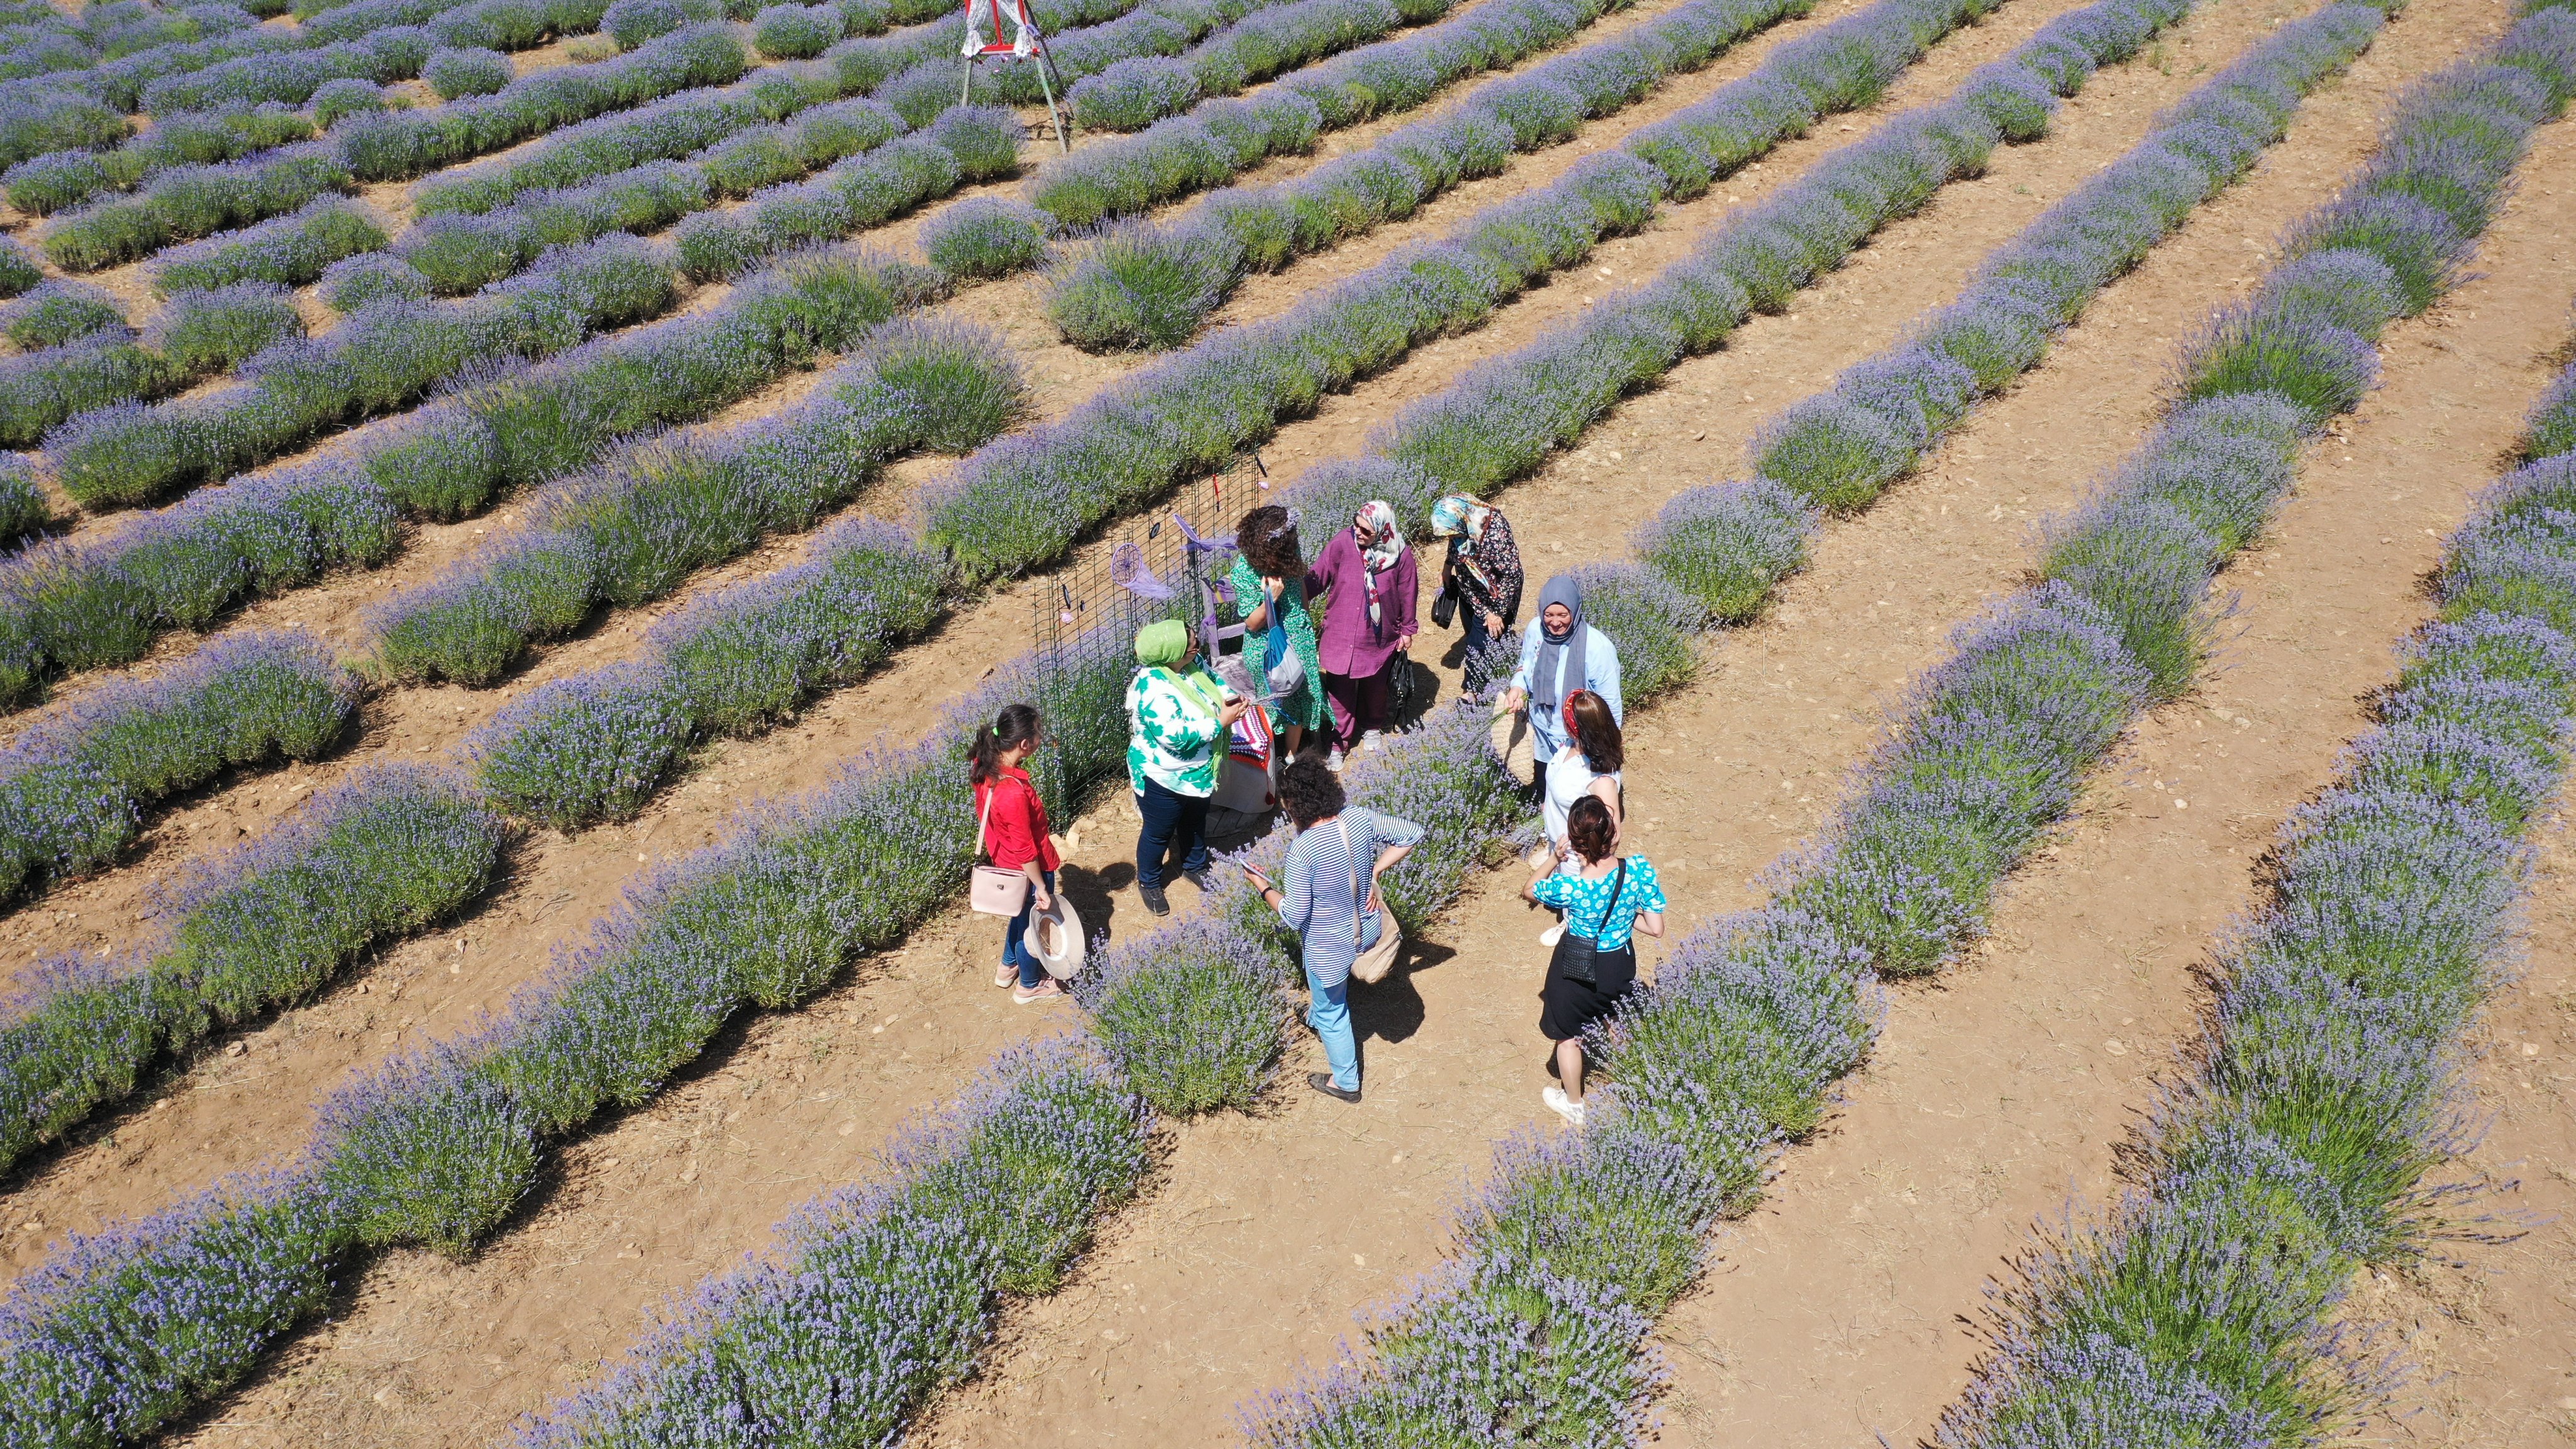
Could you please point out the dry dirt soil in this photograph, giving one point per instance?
(1838, 1309)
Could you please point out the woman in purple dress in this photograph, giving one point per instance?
(1368, 621)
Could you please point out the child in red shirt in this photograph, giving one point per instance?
(1015, 836)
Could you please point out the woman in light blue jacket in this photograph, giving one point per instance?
(1560, 655)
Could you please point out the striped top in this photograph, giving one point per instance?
(1316, 900)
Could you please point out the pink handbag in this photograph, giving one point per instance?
(995, 891)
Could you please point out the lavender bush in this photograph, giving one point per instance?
(879, 1296)
(2208, 1303)
(1762, 1012)
(118, 1333)
(381, 357)
(641, 525)
(24, 509)
(288, 251)
(380, 856)
(73, 784)
(56, 312)
(1189, 267)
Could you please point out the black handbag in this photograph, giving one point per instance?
(1575, 954)
(1444, 606)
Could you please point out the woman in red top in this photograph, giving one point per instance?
(1015, 835)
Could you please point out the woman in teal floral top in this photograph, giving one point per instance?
(1177, 719)
(1270, 588)
(1596, 959)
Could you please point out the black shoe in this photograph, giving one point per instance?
(1155, 900)
(1199, 878)
(1323, 1082)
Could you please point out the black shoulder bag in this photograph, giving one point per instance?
(1574, 953)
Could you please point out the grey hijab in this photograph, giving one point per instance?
(1560, 659)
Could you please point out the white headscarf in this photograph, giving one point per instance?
(1381, 555)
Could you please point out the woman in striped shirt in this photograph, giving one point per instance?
(1335, 913)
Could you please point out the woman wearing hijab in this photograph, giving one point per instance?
(1484, 570)
(1269, 579)
(1560, 655)
(1368, 620)
(1178, 717)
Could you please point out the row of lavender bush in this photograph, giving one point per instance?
(1147, 285)
(692, 121)
(195, 200)
(58, 180)
(381, 357)
(1185, 1020)
(40, 40)
(2206, 1304)
(377, 857)
(594, 746)
(1133, 94)
(635, 528)
(123, 456)
(435, 1147)
(470, 245)
(250, 98)
(196, 336)
(1206, 149)
(1024, 502)
(1191, 1014)
(75, 605)
(73, 781)
(1581, 1241)
(72, 784)
(778, 218)
(469, 1194)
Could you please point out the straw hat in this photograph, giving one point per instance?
(1055, 937)
(1511, 738)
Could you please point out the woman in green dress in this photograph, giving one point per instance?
(1270, 587)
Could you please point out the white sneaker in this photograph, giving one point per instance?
(1556, 1102)
(1368, 740)
(1552, 934)
(1333, 762)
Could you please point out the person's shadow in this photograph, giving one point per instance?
(1093, 894)
(1392, 1010)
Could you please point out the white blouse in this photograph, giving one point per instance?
(1569, 778)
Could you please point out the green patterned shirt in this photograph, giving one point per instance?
(1173, 737)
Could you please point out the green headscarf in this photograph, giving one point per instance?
(1163, 643)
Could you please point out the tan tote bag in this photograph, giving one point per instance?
(1373, 962)
(994, 891)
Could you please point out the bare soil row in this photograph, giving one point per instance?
(638, 1189)
(233, 1107)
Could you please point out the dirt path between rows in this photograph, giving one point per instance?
(106, 909)
(235, 1110)
(1836, 1312)
(1153, 1344)
(626, 1190)
(561, 1280)
(2494, 1338)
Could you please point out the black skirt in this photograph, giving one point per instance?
(1567, 1006)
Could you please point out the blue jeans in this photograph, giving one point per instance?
(1015, 951)
(1330, 1016)
(1174, 823)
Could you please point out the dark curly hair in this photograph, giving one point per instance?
(1587, 828)
(1311, 791)
(1269, 543)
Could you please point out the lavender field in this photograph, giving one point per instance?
(515, 509)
